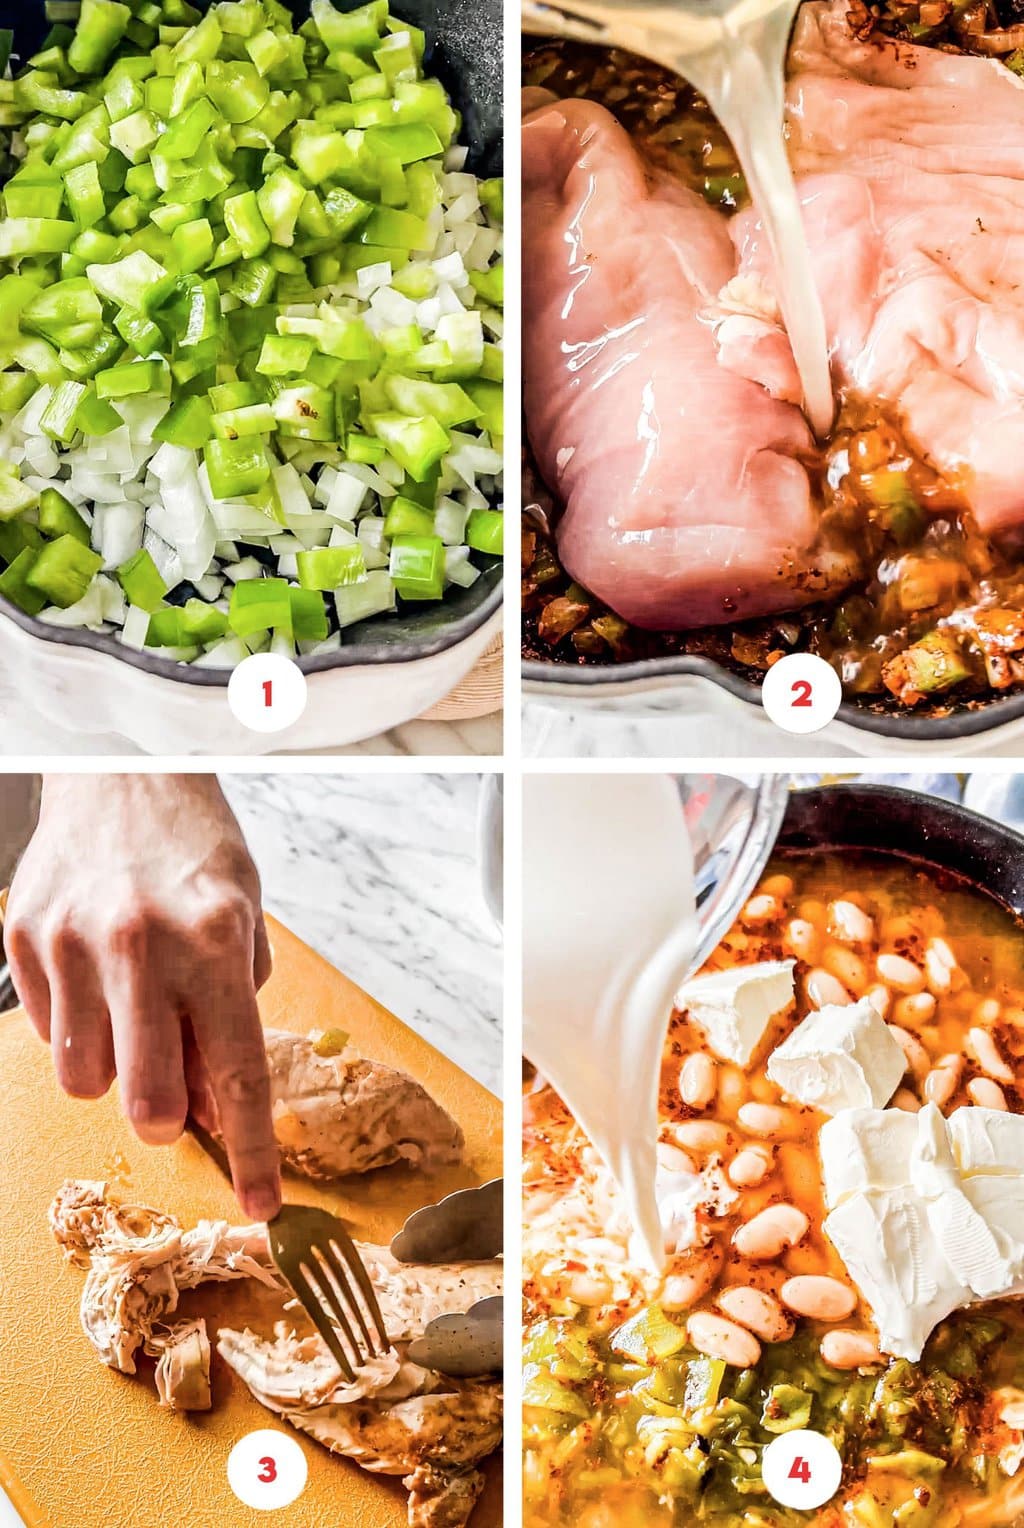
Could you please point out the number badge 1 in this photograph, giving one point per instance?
(267, 692)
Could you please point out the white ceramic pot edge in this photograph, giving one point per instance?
(81, 690)
(758, 737)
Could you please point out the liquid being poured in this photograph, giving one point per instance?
(609, 933)
(734, 53)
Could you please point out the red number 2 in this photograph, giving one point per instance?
(801, 693)
(800, 1470)
(269, 1471)
(268, 692)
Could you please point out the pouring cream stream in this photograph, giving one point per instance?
(734, 53)
(609, 933)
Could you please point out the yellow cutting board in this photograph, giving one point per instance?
(82, 1446)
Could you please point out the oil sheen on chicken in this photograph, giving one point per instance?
(685, 502)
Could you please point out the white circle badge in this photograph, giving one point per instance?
(802, 1469)
(801, 693)
(267, 1469)
(267, 692)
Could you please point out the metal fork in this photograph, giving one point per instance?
(314, 1253)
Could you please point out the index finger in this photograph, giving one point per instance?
(227, 1029)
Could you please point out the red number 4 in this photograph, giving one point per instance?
(268, 692)
(800, 1470)
(268, 1472)
(802, 693)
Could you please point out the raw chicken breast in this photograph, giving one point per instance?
(338, 1114)
(685, 501)
(910, 167)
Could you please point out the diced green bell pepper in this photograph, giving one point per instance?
(309, 615)
(260, 604)
(331, 567)
(188, 423)
(58, 517)
(58, 417)
(236, 467)
(415, 444)
(407, 518)
(141, 581)
(63, 571)
(14, 584)
(416, 566)
(485, 531)
(101, 25)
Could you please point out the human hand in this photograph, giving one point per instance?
(137, 945)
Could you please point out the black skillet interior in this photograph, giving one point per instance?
(464, 50)
(884, 819)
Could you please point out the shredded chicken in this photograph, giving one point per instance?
(397, 1418)
(342, 1114)
(183, 1368)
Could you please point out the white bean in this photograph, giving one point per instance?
(940, 967)
(847, 967)
(818, 1296)
(900, 973)
(702, 1136)
(880, 999)
(690, 1278)
(762, 909)
(848, 922)
(982, 1048)
(824, 991)
(907, 1101)
(987, 1011)
(943, 1080)
(917, 1058)
(844, 1349)
(916, 1008)
(802, 938)
(720, 1338)
(770, 1232)
(759, 1312)
(987, 1094)
(674, 1159)
(697, 1080)
(765, 1119)
(589, 1289)
(749, 1166)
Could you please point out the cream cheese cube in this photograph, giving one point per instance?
(839, 1057)
(987, 1141)
(865, 1150)
(893, 1257)
(735, 1007)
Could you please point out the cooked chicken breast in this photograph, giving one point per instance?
(183, 1368)
(396, 1418)
(430, 1429)
(339, 1114)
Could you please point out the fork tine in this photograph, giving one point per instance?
(310, 1300)
(345, 1248)
(340, 1268)
(328, 1295)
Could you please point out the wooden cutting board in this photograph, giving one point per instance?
(85, 1447)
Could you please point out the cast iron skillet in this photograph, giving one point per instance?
(907, 825)
(464, 50)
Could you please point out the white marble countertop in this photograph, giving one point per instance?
(380, 874)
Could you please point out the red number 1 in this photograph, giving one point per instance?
(802, 693)
(800, 1470)
(269, 1471)
(268, 692)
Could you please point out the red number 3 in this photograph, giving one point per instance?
(800, 1470)
(802, 697)
(269, 1471)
